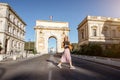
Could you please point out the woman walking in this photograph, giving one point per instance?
(66, 57)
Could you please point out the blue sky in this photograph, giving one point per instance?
(72, 11)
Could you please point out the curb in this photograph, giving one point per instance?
(102, 60)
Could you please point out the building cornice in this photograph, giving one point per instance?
(11, 36)
(14, 12)
(99, 18)
(84, 21)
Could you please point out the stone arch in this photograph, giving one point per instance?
(47, 29)
(54, 37)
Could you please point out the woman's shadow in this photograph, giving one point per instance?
(2, 72)
(53, 62)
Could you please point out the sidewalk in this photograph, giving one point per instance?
(103, 60)
(16, 59)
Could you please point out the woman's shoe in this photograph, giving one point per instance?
(72, 67)
(59, 66)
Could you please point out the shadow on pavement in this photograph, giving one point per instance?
(29, 76)
(2, 72)
(58, 55)
(51, 61)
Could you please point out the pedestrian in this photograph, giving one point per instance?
(1, 48)
(66, 57)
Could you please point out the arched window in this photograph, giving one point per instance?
(113, 33)
(105, 31)
(14, 20)
(17, 32)
(94, 30)
(118, 28)
(9, 16)
(12, 43)
(8, 28)
(82, 34)
(13, 30)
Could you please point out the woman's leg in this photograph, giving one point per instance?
(59, 65)
(70, 63)
(71, 66)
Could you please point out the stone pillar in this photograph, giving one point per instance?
(59, 48)
(37, 39)
(9, 45)
(46, 45)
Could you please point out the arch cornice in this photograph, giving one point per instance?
(52, 28)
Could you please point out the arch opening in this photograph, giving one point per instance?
(52, 45)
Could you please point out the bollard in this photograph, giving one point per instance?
(1, 57)
(14, 57)
(24, 55)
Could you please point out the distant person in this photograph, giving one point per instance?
(11, 52)
(66, 57)
(1, 49)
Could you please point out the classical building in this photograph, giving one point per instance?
(12, 29)
(44, 30)
(105, 30)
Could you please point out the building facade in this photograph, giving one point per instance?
(44, 30)
(12, 29)
(103, 30)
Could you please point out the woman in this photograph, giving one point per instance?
(66, 57)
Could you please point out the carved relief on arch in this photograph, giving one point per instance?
(63, 35)
(118, 28)
(105, 28)
(82, 30)
(41, 39)
(40, 32)
(41, 43)
(94, 27)
(1, 21)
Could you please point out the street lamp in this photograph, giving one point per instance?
(0, 47)
(29, 44)
(0, 43)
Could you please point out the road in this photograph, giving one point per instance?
(44, 68)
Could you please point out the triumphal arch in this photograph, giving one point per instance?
(47, 29)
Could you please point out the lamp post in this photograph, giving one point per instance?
(29, 45)
(0, 47)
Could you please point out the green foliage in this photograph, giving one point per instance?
(113, 52)
(75, 49)
(91, 49)
(75, 46)
(29, 46)
(34, 51)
